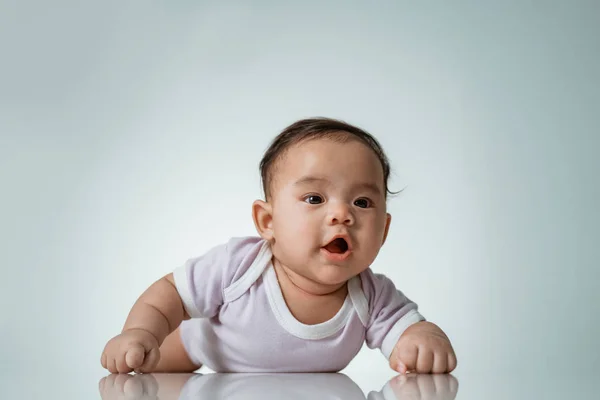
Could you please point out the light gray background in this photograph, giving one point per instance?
(131, 133)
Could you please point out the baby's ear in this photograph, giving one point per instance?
(262, 214)
(388, 221)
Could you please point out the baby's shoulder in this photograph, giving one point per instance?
(240, 253)
(247, 258)
(373, 281)
(239, 248)
(374, 285)
(228, 260)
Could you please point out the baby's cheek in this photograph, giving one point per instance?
(372, 245)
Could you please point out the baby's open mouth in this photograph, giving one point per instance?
(337, 246)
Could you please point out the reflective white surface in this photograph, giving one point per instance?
(271, 386)
(46, 384)
(563, 386)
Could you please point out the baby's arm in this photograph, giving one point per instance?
(157, 313)
(159, 310)
(396, 327)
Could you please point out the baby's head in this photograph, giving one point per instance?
(324, 212)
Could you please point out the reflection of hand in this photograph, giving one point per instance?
(424, 387)
(128, 387)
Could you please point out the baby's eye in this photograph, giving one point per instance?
(362, 203)
(313, 199)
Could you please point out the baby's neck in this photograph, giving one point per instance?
(309, 302)
(305, 285)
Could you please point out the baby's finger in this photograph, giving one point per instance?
(121, 364)
(150, 361)
(135, 356)
(451, 362)
(395, 363)
(424, 361)
(408, 355)
(103, 360)
(111, 365)
(440, 363)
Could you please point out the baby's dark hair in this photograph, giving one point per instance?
(317, 128)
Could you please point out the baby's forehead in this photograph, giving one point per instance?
(320, 160)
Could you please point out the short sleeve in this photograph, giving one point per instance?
(201, 281)
(390, 312)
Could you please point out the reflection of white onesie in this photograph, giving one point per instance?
(271, 386)
(240, 321)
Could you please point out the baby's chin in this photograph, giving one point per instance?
(330, 274)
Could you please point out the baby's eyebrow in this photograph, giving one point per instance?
(370, 186)
(311, 179)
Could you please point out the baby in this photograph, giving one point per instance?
(300, 297)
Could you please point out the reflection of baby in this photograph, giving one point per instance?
(275, 386)
(300, 297)
(230, 386)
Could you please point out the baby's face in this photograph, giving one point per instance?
(323, 189)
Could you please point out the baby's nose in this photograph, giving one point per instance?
(340, 214)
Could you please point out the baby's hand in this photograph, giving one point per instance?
(425, 349)
(133, 350)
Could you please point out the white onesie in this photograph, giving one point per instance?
(241, 323)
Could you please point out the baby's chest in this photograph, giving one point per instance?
(269, 344)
